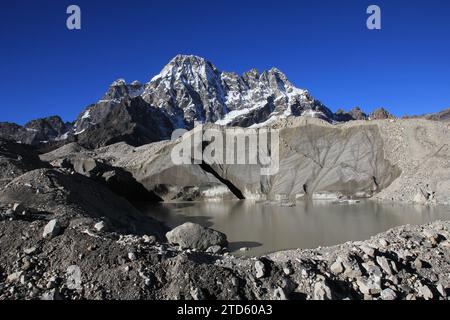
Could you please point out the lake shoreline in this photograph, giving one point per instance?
(250, 225)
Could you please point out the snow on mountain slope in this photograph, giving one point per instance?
(190, 89)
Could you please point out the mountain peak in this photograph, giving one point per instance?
(187, 58)
(118, 83)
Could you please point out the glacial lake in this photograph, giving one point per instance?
(265, 227)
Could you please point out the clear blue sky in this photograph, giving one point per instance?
(323, 46)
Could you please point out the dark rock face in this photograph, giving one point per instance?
(36, 131)
(16, 159)
(65, 195)
(440, 116)
(381, 114)
(48, 128)
(131, 120)
(354, 114)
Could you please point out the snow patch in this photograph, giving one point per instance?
(86, 115)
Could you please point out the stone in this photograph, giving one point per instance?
(30, 250)
(51, 295)
(383, 242)
(384, 264)
(214, 249)
(197, 294)
(73, 274)
(288, 286)
(260, 269)
(352, 270)
(369, 251)
(14, 277)
(100, 226)
(420, 198)
(287, 271)
(337, 267)
(440, 288)
(52, 229)
(368, 286)
(149, 239)
(321, 291)
(132, 256)
(418, 264)
(194, 236)
(425, 292)
(279, 294)
(388, 294)
(18, 208)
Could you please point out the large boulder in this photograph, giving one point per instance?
(194, 236)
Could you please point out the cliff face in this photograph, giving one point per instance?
(400, 160)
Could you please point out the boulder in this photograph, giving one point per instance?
(384, 264)
(52, 229)
(194, 236)
(337, 267)
(388, 294)
(322, 291)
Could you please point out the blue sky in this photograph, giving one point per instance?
(323, 46)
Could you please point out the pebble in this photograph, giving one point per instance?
(73, 274)
(287, 271)
(132, 256)
(279, 294)
(369, 251)
(384, 264)
(418, 264)
(425, 292)
(368, 287)
(14, 276)
(214, 249)
(337, 267)
(383, 242)
(52, 229)
(18, 208)
(440, 288)
(260, 269)
(321, 291)
(100, 226)
(30, 251)
(388, 294)
(149, 239)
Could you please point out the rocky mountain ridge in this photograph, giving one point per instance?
(188, 90)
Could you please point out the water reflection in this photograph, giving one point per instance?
(267, 227)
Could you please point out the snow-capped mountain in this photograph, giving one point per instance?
(190, 89)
